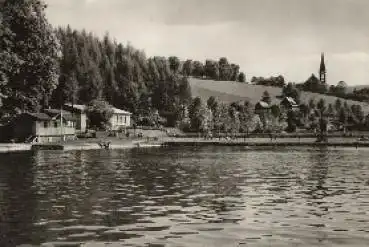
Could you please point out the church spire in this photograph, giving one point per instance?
(322, 70)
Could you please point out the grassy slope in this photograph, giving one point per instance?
(228, 92)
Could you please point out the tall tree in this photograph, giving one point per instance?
(235, 71)
(291, 91)
(187, 68)
(212, 69)
(195, 114)
(174, 64)
(266, 97)
(35, 46)
(225, 70)
(198, 69)
(241, 77)
(338, 105)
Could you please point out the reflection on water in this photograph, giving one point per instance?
(211, 196)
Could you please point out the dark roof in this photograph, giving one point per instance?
(56, 112)
(37, 116)
(78, 108)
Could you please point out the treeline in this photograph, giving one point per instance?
(313, 84)
(220, 70)
(216, 117)
(41, 66)
(273, 81)
(91, 68)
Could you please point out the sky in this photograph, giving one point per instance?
(265, 37)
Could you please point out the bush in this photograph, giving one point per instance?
(99, 113)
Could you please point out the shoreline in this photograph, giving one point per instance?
(183, 142)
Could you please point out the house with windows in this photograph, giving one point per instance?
(120, 119)
(49, 126)
(80, 115)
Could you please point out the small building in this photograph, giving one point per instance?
(42, 127)
(121, 119)
(288, 103)
(79, 113)
(262, 108)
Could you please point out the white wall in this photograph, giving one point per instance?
(120, 120)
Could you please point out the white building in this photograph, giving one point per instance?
(120, 119)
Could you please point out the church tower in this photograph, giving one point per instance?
(322, 70)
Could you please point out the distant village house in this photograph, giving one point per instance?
(262, 108)
(288, 103)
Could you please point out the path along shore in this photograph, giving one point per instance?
(96, 144)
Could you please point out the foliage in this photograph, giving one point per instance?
(93, 68)
(277, 81)
(291, 121)
(99, 113)
(290, 90)
(241, 77)
(275, 110)
(29, 61)
(196, 114)
(212, 69)
(212, 104)
(216, 70)
(339, 90)
(266, 97)
(313, 84)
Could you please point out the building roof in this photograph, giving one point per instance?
(56, 112)
(263, 104)
(37, 116)
(80, 108)
(83, 108)
(119, 111)
(290, 100)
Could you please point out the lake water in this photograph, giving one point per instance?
(213, 196)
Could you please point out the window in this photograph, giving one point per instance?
(125, 119)
(45, 124)
(55, 124)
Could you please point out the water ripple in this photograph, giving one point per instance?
(185, 197)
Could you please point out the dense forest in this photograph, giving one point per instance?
(91, 68)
